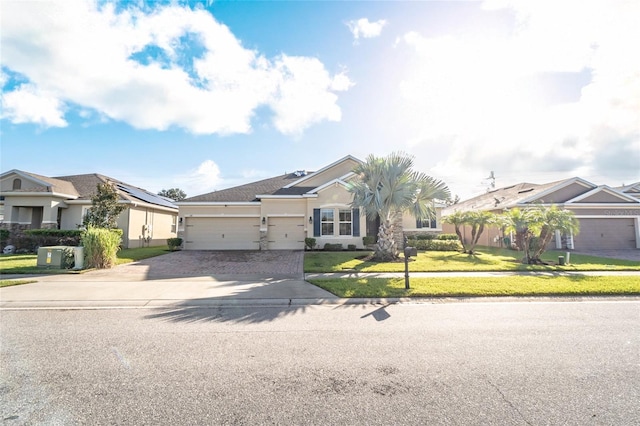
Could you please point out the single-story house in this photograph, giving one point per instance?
(31, 201)
(609, 217)
(280, 212)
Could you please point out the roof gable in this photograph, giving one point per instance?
(31, 182)
(328, 173)
(560, 192)
(604, 194)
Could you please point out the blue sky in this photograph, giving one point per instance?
(207, 95)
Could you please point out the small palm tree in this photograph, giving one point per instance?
(387, 187)
(551, 219)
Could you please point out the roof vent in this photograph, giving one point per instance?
(300, 173)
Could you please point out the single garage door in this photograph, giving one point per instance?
(286, 233)
(606, 233)
(222, 233)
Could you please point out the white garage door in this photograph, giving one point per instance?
(228, 233)
(606, 233)
(286, 233)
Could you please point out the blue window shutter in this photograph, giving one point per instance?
(316, 222)
(355, 220)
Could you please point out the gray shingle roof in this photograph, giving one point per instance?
(507, 197)
(249, 191)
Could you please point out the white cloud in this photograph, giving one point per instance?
(28, 104)
(205, 178)
(305, 94)
(479, 94)
(365, 29)
(82, 52)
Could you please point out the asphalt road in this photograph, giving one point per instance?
(504, 363)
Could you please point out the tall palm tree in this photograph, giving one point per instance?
(385, 187)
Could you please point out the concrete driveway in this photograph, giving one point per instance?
(197, 277)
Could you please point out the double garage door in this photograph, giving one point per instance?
(217, 233)
(609, 233)
(243, 233)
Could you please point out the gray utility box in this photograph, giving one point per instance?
(51, 257)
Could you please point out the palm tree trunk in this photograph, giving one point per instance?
(387, 248)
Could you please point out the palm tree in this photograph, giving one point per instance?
(478, 220)
(385, 187)
(519, 221)
(457, 219)
(551, 219)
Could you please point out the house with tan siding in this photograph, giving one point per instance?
(609, 217)
(280, 212)
(31, 201)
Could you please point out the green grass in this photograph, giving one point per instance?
(7, 283)
(136, 254)
(520, 285)
(27, 263)
(485, 259)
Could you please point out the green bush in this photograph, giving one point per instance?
(435, 245)
(310, 243)
(101, 246)
(448, 237)
(351, 247)
(368, 240)
(174, 243)
(333, 247)
(34, 238)
(425, 236)
(4, 236)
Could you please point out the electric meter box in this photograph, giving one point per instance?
(51, 257)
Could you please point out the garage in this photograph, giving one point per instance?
(286, 233)
(222, 233)
(606, 233)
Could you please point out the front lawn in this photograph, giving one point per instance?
(485, 259)
(519, 285)
(27, 263)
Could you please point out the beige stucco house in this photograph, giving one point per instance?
(609, 217)
(280, 212)
(31, 201)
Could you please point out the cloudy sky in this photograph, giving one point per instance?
(207, 95)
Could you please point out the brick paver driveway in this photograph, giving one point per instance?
(272, 264)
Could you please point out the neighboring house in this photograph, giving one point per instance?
(31, 201)
(280, 212)
(609, 217)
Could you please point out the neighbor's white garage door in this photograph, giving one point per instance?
(606, 233)
(286, 233)
(215, 233)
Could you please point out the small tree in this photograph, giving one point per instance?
(105, 209)
(535, 226)
(387, 187)
(176, 194)
(476, 220)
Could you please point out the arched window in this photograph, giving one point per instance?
(17, 184)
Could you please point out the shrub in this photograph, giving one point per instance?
(101, 246)
(435, 245)
(4, 236)
(310, 243)
(174, 243)
(368, 240)
(332, 247)
(34, 238)
(351, 247)
(448, 237)
(425, 236)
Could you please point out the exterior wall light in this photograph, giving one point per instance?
(264, 220)
(310, 219)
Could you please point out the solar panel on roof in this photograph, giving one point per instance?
(146, 196)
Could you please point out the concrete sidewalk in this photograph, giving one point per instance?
(131, 287)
